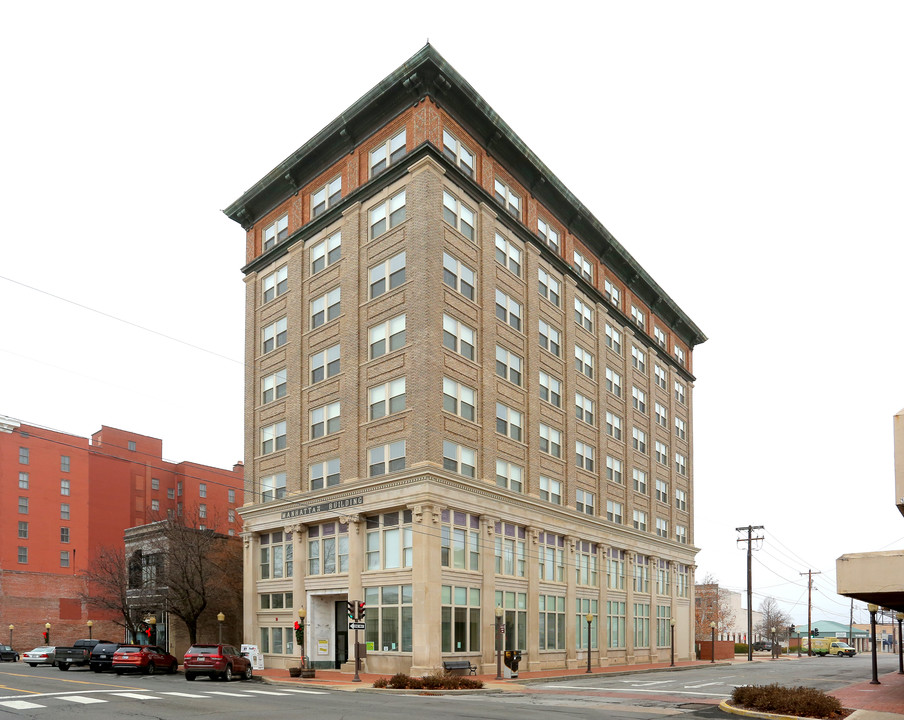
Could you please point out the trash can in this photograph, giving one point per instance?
(512, 658)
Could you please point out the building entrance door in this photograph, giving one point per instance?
(341, 633)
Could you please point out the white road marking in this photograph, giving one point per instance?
(227, 694)
(182, 694)
(703, 685)
(636, 690)
(267, 692)
(136, 696)
(307, 692)
(648, 682)
(82, 699)
(20, 705)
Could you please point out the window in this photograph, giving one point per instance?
(637, 315)
(680, 499)
(638, 359)
(662, 491)
(387, 215)
(64, 511)
(510, 550)
(23, 456)
(640, 481)
(641, 573)
(509, 475)
(230, 515)
(662, 453)
(613, 382)
(273, 438)
(23, 530)
(682, 578)
(639, 440)
(615, 569)
(508, 255)
(277, 646)
(458, 153)
(459, 276)
(612, 293)
(460, 624)
(549, 287)
(681, 534)
(509, 200)
(552, 622)
(325, 364)
(170, 494)
(326, 307)
(583, 408)
(614, 511)
(663, 625)
(389, 625)
(613, 469)
(679, 392)
(613, 425)
(23, 480)
(64, 487)
(661, 414)
(276, 335)
(179, 488)
(276, 283)
(584, 501)
(679, 355)
(155, 485)
(583, 361)
(386, 458)
(680, 429)
(387, 275)
(459, 459)
(659, 335)
(508, 422)
(230, 495)
(273, 386)
(326, 420)
(276, 601)
(586, 563)
(548, 233)
(613, 339)
(662, 527)
(583, 314)
(459, 399)
(550, 440)
(508, 310)
(458, 215)
(659, 376)
(681, 464)
(328, 548)
(133, 446)
(550, 389)
(550, 490)
(514, 606)
(326, 252)
(276, 233)
(508, 365)
(326, 197)
(64, 463)
(583, 266)
(458, 337)
(386, 154)
(641, 625)
(583, 606)
(23, 505)
(640, 520)
(276, 554)
(638, 399)
(22, 554)
(460, 540)
(550, 339)
(662, 578)
(387, 399)
(155, 504)
(388, 336)
(64, 558)
(583, 455)
(388, 542)
(273, 487)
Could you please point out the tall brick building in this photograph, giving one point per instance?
(64, 497)
(462, 394)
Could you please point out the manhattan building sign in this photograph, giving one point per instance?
(323, 507)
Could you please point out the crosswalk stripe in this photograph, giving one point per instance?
(227, 694)
(136, 696)
(81, 699)
(267, 692)
(306, 692)
(20, 705)
(182, 694)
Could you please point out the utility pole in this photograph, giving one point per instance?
(851, 624)
(810, 575)
(749, 541)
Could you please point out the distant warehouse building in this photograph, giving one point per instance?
(462, 394)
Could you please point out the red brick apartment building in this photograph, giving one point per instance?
(64, 497)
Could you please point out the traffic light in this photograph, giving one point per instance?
(361, 610)
(815, 632)
(351, 609)
(44, 635)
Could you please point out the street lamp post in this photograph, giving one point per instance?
(302, 614)
(90, 625)
(712, 627)
(873, 609)
(47, 632)
(899, 616)
(589, 618)
(152, 627)
(220, 618)
(774, 653)
(499, 612)
(11, 628)
(672, 641)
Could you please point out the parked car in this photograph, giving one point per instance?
(102, 656)
(8, 654)
(762, 645)
(216, 661)
(78, 654)
(143, 658)
(43, 655)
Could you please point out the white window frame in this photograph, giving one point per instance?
(681, 534)
(392, 333)
(638, 316)
(583, 314)
(550, 338)
(548, 234)
(386, 399)
(661, 414)
(328, 362)
(680, 428)
(584, 409)
(680, 464)
(640, 520)
(388, 456)
(659, 336)
(638, 399)
(386, 276)
(458, 153)
(680, 392)
(662, 527)
(639, 478)
(388, 214)
(614, 470)
(639, 440)
(613, 339)
(613, 426)
(509, 475)
(459, 338)
(326, 308)
(550, 389)
(662, 453)
(583, 361)
(550, 287)
(681, 499)
(387, 153)
(585, 501)
(326, 196)
(508, 255)
(459, 399)
(508, 199)
(615, 512)
(550, 440)
(508, 310)
(550, 490)
(638, 359)
(584, 455)
(274, 336)
(612, 293)
(662, 491)
(273, 487)
(509, 422)
(275, 284)
(275, 233)
(458, 276)
(660, 377)
(509, 366)
(274, 387)
(273, 438)
(459, 459)
(583, 266)
(326, 252)
(613, 382)
(459, 215)
(325, 420)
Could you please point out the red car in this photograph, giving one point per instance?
(216, 661)
(143, 658)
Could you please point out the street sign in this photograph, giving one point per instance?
(357, 626)
(502, 629)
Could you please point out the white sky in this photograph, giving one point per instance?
(749, 155)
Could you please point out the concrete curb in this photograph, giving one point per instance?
(626, 671)
(725, 706)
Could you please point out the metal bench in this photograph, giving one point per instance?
(449, 665)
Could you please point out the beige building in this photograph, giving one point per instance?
(463, 397)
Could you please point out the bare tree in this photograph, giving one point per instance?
(773, 617)
(109, 587)
(711, 604)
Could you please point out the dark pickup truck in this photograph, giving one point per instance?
(78, 654)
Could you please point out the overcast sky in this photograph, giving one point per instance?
(749, 155)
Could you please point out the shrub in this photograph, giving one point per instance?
(437, 680)
(399, 681)
(800, 701)
(740, 648)
(380, 682)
